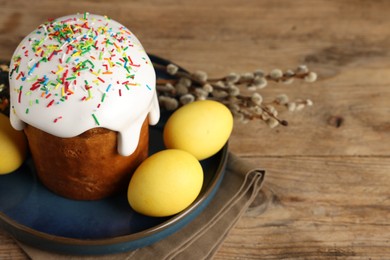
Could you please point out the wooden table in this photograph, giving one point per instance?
(327, 193)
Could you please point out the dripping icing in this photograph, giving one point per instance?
(68, 89)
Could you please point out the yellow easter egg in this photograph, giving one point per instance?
(13, 146)
(165, 183)
(201, 128)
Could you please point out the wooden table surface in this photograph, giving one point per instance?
(327, 193)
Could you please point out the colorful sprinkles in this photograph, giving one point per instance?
(95, 118)
(83, 46)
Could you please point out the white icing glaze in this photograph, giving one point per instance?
(83, 71)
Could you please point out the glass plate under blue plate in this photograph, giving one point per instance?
(38, 217)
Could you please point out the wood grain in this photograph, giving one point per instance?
(9, 249)
(327, 192)
(317, 208)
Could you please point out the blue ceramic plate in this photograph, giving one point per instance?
(38, 217)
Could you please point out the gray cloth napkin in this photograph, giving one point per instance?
(201, 238)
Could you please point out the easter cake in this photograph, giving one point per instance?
(83, 90)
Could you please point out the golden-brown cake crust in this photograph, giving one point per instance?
(85, 167)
